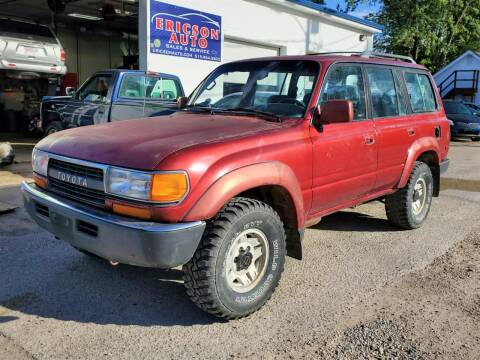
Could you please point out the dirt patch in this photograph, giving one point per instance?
(460, 184)
(430, 314)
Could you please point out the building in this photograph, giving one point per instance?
(190, 38)
(460, 79)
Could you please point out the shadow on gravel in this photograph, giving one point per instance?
(354, 221)
(47, 278)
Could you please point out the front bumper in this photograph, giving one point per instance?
(115, 238)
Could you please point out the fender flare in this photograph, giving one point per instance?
(419, 147)
(246, 178)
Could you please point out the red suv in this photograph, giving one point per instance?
(260, 151)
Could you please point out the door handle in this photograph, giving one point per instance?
(369, 140)
(411, 132)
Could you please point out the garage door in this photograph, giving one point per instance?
(239, 50)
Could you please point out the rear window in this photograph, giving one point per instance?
(10, 27)
(420, 91)
(383, 92)
(151, 87)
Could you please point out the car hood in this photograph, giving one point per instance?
(54, 98)
(143, 143)
(466, 118)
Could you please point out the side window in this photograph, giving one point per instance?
(420, 91)
(95, 90)
(164, 89)
(383, 92)
(132, 86)
(345, 82)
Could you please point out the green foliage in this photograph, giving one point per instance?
(433, 32)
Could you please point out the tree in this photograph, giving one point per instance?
(433, 32)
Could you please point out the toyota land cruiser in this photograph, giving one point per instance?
(227, 190)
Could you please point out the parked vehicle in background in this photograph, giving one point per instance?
(465, 120)
(228, 192)
(474, 107)
(31, 63)
(112, 95)
(29, 47)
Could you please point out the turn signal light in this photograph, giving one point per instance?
(132, 211)
(169, 187)
(40, 181)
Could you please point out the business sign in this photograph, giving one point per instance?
(177, 31)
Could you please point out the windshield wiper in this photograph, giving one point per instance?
(258, 113)
(199, 109)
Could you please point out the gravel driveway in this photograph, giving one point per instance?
(363, 290)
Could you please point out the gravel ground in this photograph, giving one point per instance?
(363, 288)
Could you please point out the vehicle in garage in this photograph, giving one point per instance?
(30, 47)
(465, 121)
(112, 95)
(31, 62)
(228, 192)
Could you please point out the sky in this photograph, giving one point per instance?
(361, 11)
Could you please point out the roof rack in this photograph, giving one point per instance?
(370, 54)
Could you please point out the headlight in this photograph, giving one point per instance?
(164, 187)
(40, 162)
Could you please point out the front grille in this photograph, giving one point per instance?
(82, 194)
(81, 170)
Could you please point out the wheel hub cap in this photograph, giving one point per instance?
(246, 260)
(419, 196)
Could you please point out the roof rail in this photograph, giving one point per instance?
(369, 54)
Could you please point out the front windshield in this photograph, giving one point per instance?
(282, 88)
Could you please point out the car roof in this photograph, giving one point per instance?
(140, 72)
(330, 59)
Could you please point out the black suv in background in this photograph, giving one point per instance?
(465, 122)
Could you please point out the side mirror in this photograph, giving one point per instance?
(182, 102)
(70, 91)
(336, 111)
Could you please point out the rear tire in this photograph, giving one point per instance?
(475, 138)
(239, 261)
(408, 207)
(53, 127)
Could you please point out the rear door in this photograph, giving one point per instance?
(395, 127)
(162, 93)
(129, 100)
(345, 154)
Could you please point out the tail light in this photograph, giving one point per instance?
(63, 55)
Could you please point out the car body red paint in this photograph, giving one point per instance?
(322, 169)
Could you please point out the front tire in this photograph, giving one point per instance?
(53, 127)
(408, 207)
(239, 261)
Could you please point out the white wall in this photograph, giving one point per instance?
(261, 21)
(469, 62)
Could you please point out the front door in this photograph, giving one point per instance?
(91, 104)
(344, 154)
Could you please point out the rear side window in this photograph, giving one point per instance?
(164, 89)
(345, 82)
(133, 86)
(383, 92)
(420, 91)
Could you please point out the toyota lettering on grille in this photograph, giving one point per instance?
(72, 179)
